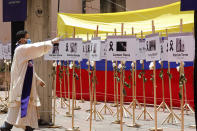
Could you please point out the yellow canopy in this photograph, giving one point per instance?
(165, 17)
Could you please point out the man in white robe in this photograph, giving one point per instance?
(21, 60)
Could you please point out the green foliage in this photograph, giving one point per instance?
(169, 75)
(161, 74)
(126, 84)
(124, 92)
(182, 80)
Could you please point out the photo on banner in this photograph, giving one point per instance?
(181, 47)
(56, 53)
(103, 50)
(141, 49)
(6, 51)
(153, 47)
(86, 50)
(164, 51)
(121, 48)
(95, 49)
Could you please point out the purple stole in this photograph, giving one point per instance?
(27, 85)
(26, 89)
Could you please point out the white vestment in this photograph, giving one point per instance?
(22, 55)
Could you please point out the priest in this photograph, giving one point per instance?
(24, 100)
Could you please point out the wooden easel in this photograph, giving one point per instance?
(172, 117)
(80, 77)
(94, 111)
(163, 103)
(54, 97)
(135, 83)
(105, 106)
(155, 88)
(117, 121)
(144, 91)
(182, 89)
(68, 114)
(75, 101)
(73, 95)
(115, 82)
(124, 109)
(133, 124)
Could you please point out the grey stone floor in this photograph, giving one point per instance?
(106, 124)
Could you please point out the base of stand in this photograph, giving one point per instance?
(192, 126)
(116, 122)
(88, 110)
(68, 114)
(113, 105)
(82, 101)
(153, 129)
(98, 103)
(73, 129)
(77, 108)
(133, 125)
(54, 126)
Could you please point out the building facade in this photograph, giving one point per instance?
(84, 6)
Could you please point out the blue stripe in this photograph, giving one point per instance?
(100, 65)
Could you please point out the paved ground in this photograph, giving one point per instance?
(106, 124)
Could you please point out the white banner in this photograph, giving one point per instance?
(7, 51)
(153, 47)
(56, 53)
(72, 49)
(164, 51)
(95, 52)
(86, 50)
(121, 48)
(181, 47)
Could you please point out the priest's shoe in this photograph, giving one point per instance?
(28, 128)
(6, 127)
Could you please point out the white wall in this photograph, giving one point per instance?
(93, 6)
(66, 6)
(143, 4)
(5, 27)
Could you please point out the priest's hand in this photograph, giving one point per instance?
(42, 84)
(56, 40)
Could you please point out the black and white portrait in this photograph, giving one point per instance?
(94, 48)
(55, 49)
(121, 46)
(179, 45)
(73, 47)
(152, 45)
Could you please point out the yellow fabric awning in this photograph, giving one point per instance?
(165, 17)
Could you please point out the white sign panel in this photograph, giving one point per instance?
(86, 49)
(7, 51)
(72, 49)
(163, 45)
(181, 47)
(103, 50)
(141, 50)
(56, 53)
(121, 48)
(153, 47)
(1, 51)
(95, 52)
